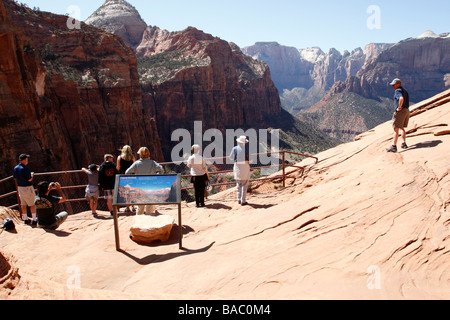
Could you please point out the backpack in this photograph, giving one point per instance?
(8, 224)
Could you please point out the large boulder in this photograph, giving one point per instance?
(147, 229)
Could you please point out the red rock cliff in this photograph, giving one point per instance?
(68, 96)
(192, 76)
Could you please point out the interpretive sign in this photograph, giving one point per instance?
(146, 190)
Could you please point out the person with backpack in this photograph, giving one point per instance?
(107, 180)
(401, 115)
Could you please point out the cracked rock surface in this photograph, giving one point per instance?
(359, 224)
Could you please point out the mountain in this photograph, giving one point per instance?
(189, 76)
(68, 96)
(303, 76)
(122, 19)
(358, 224)
(365, 100)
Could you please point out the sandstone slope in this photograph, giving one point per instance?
(359, 224)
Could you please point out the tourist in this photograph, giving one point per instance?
(199, 175)
(107, 180)
(401, 115)
(24, 179)
(241, 157)
(92, 189)
(145, 166)
(124, 161)
(46, 206)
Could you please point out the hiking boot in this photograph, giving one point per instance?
(404, 145)
(392, 149)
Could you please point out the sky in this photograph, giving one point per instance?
(344, 24)
(149, 183)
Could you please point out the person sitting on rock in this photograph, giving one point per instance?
(46, 206)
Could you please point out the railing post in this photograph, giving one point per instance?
(284, 169)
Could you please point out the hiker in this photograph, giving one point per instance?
(199, 175)
(46, 206)
(107, 179)
(145, 166)
(92, 189)
(24, 179)
(401, 115)
(241, 157)
(124, 161)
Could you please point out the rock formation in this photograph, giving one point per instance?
(147, 229)
(359, 224)
(303, 76)
(68, 96)
(192, 76)
(365, 99)
(122, 19)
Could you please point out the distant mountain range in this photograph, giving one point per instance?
(346, 94)
(190, 75)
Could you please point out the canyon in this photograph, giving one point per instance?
(346, 94)
(189, 76)
(68, 96)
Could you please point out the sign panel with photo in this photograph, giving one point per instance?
(147, 189)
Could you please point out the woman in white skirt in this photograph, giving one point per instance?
(241, 157)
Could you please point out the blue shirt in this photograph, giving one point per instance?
(240, 153)
(23, 175)
(400, 92)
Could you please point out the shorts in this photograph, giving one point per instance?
(401, 119)
(27, 196)
(109, 194)
(92, 192)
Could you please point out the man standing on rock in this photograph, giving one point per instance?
(24, 178)
(401, 115)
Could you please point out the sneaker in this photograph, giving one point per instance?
(34, 223)
(392, 149)
(404, 145)
(27, 222)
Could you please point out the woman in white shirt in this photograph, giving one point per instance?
(199, 174)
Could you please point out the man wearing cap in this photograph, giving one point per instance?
(241, 157)
(401, 115)
(24, 179)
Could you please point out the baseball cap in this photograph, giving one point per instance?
(23, 156)
(395, 81)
